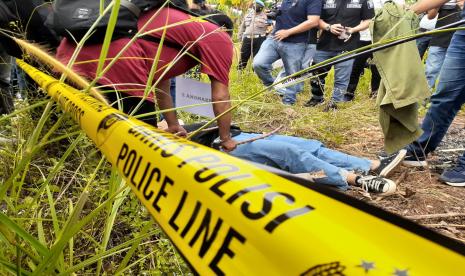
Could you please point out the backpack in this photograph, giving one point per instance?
(6, 15)
(73, 18)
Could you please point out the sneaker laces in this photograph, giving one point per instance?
(460, 167)
(373, 184)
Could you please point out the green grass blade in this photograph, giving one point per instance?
(12, 226)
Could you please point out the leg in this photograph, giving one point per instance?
(290, 158)
(262, 62)
(434, 63)
(127, 103)
(334, 157)
(245, 53)
(341, 79)
(375, 80)
(6, 99)
(422, 45)
(291, 54)
(448, 99)
(257, 43)
(357, 71)
(318, 83)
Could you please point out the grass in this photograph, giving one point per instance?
(65, 210)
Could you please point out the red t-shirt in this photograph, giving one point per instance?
(130, 73)
(210, 44)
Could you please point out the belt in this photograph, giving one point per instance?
(254, 36)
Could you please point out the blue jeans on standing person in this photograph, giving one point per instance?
(342, 73)
(291, 55)
(309, 53)
(446, 102)
(299, 155)
(434, 62)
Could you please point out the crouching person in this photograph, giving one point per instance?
(310, 159)
(207, 44)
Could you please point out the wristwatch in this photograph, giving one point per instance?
(328, 28)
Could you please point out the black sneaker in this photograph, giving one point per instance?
(412, 160)
(349, 96)
(314, 102)
(389, 163)
(376, 184)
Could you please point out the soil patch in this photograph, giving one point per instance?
(419, 192)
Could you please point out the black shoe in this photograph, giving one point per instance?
(349, 96)
(389, 163)
(376, 184)
(314, 102)
(330, 106)
(412, 160)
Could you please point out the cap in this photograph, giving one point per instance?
(259, 2)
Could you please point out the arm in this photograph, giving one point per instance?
(335, 29)
(425, 5)
(432, 13)
(165, 101)
(220, 92)
(311, 22)
(360, 27)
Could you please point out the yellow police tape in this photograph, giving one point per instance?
(226, 216)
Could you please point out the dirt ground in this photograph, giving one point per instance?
(419, 191)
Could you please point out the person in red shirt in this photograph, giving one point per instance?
(208, 43)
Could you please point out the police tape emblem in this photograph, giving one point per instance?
(110, 120)
(334, 269)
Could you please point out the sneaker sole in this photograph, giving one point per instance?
(415, 164)
(462, 184)
(454, 184)
(386, 171)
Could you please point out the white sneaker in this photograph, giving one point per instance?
(376, 184)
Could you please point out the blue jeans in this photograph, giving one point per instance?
(342, 73)
(299, 155)
(291, 55)
(434, 62)
(447, 101)
(310, 51)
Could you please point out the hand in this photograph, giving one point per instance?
(281, 34)
(228, 145)
(337, 29)
(350, 30)
(177, 130)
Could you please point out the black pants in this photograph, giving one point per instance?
(129, 102)
(6, 99)
(249, 46)
(357, 71)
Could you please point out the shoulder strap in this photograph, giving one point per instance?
(131, 7)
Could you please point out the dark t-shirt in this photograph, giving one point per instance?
(312, 36)
(294, 12)
(447, 15)
(348, 13)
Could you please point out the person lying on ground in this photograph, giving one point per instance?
(211, 46)
(309, 159)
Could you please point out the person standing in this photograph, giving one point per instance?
(445, 104)
(447, 14)
(341, 21)
(288, 42)
(252, 32)
(359, 67)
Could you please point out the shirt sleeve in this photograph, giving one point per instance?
(314, 7)
(368, 10)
